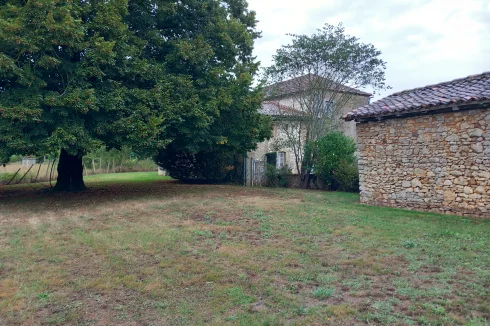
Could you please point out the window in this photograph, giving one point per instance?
(271, 158)
(281, 159)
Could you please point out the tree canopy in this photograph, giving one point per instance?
(324, 73)
(149, 74)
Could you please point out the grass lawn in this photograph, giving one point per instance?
(163, 253)
(113, 178)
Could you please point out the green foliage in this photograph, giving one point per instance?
(79, 75)
(346, 177)
(203, 233)
(62, 70)
(435, 308)
(238, 297)
(330, 52)
(277, 177)
(6, 177)
(410, 244)
(200, 167)
(218, 156)
(220, 63)
(323, 293)
(43, 296)
(334, 161)
(318, 67)
(15, 158)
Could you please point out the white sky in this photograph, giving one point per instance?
(423, 41)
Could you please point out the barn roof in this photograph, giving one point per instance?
(475, 88)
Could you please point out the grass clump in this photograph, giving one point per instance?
(323, 293)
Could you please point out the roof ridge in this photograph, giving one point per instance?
(277, 86)
(441, 83)
(474, 89)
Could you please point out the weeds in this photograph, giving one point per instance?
(323, 293)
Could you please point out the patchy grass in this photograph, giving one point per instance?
(157, 252)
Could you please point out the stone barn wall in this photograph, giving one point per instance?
(437, 162)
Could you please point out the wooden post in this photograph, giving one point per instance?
(25, 174)
(38, 170)
(13, 177)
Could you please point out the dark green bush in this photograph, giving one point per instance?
(346, 177)
(335, 162)
(15, 158)
(202, 167)
(277, 177)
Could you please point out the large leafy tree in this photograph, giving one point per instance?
(79, 74)
(323, 72)
(219, 156)
(222, 74)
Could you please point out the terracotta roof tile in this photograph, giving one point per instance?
(458, 91)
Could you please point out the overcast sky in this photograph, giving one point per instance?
(423, 41)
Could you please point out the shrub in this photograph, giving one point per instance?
(346, 177)
(335, 161)
(323, 293)
(15, 158)
(277, 177)
(202, 167)
(5, 177)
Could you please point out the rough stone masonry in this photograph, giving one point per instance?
(438, 162)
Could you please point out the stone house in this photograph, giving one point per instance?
(282, 104)
(428, 148)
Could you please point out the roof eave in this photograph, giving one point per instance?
(421, 111)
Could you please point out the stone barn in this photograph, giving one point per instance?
(428, 148)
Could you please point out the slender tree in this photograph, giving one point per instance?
(321, 72)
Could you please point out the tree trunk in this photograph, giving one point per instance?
(70, 172)
(305, 179)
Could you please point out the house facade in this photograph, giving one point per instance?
(428, 148)
(283, 105)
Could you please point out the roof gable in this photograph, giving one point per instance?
(475, 88)
(298, 84)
